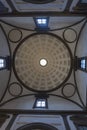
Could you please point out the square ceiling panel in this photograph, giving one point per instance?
(58, 5)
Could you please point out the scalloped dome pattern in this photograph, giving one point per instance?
(27, 62)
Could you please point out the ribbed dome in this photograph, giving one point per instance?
(42, 62)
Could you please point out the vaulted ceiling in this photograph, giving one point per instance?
(43, 6)
(26, 43)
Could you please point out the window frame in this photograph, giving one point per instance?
(38, 99)
(7, 63)
(41, 27)
(78, 64)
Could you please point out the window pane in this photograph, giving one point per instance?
(1, 65)
(1, 61)
(43, 21)
(83, 62)
(43, 104)
(39, 21)
(38, 103)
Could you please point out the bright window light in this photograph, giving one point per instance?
(83, 64)
(43, 62)
(44, 21)
(41, 21)
(38, 103)
(2, 65)
(41, 103)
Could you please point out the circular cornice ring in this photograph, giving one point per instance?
(70, 35)
(15, 35)
(12, 91)
(26, 62)
(67, 91)
(38, 1)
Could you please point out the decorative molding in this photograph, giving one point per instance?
(17, 86)
(15, 35)
(36, 126)
(38, 1)
(71, 93)
(71, 32)
(46, 13)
